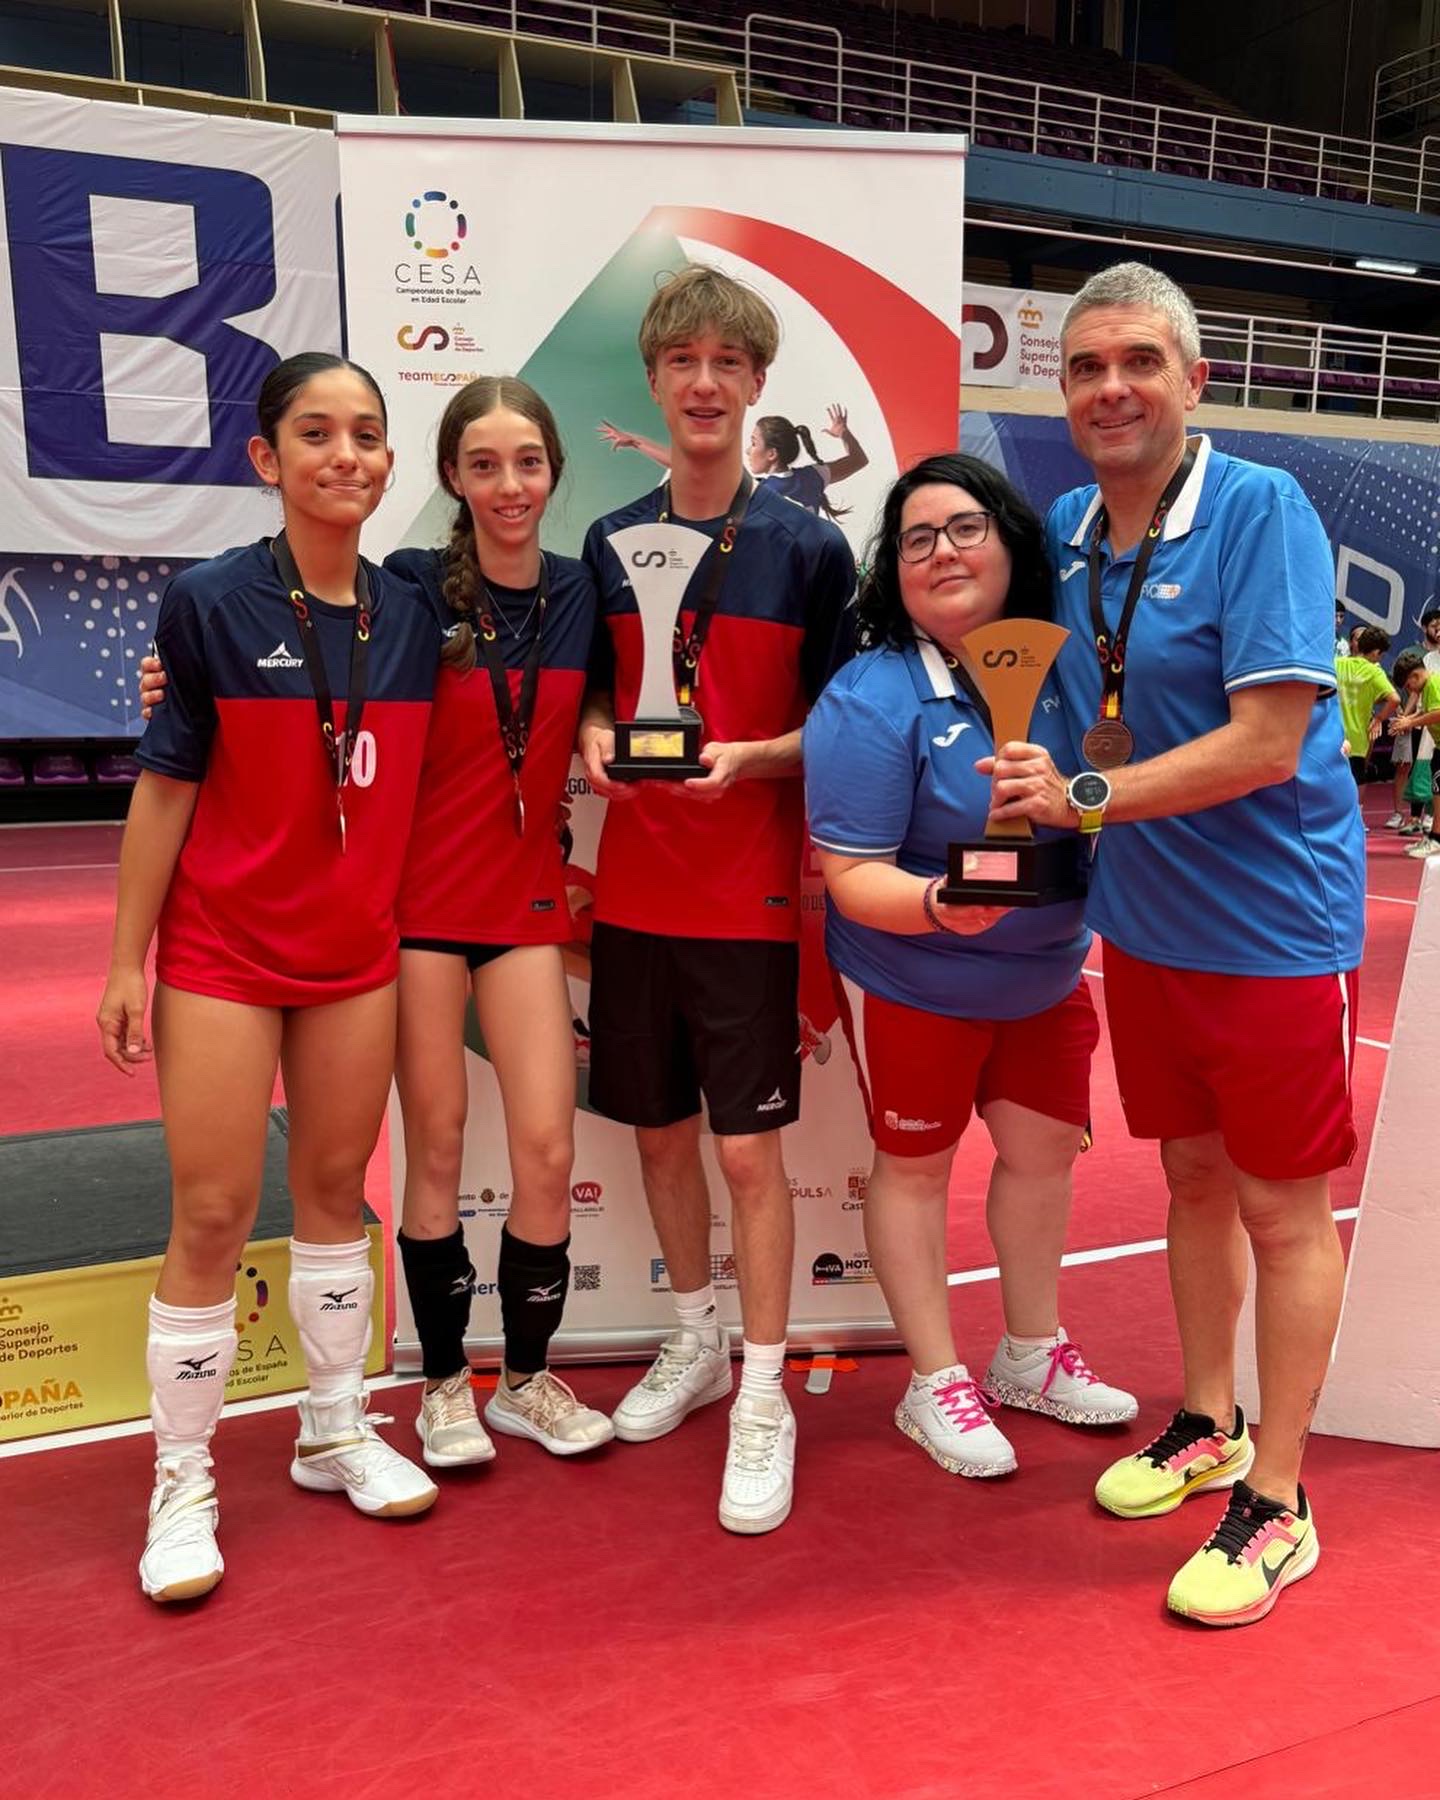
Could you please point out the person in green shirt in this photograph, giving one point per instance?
(1366, 697)
(1421, 686)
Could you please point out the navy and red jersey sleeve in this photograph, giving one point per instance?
(423, 572)
(177, 740)
(600, 667)
(829, 614)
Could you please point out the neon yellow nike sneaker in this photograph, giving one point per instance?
(1190, 1454)
(1256, 1551)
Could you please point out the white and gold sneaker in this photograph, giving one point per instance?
(340, 1451)
(182, 1560)
(547, 1411)
(449, 1427)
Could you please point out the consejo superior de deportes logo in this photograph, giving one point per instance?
(435, 224)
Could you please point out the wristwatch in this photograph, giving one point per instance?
(1088, 794)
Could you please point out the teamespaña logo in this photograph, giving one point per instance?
(435, 224)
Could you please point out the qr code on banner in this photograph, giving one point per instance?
(586, 1278)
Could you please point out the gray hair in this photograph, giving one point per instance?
(1133, 284)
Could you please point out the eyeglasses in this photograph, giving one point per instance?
(964, 529)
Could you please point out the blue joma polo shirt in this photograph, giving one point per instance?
(1240, 593)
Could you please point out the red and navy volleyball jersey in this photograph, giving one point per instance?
(264, 906)
(731, 868)
(470, 876)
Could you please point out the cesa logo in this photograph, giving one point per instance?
(435, 224)
(435, 227)
(586, 1193)
(429, 337)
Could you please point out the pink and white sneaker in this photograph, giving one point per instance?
(1056, 1380)
(947, 1415)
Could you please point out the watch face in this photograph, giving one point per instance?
(1089, 790)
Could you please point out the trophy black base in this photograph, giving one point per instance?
(657, 750)
(1014, 872)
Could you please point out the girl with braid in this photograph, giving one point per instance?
(483, 912)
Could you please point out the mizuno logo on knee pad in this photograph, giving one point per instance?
(539, 1295)
(192, 1368)
(330, 1301)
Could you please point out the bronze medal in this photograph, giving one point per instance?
(1108, 744)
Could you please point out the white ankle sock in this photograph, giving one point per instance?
(331, 1288)
(762, 1369)
(189, 1351)
(698, 1312)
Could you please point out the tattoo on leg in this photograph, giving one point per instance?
(1310, 1413)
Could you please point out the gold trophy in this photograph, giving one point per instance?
(1009, 661)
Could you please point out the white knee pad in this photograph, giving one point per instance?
(331, 1291)
(189, 1352)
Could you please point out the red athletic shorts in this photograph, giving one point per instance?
(922, 1073)
(1264, 1060)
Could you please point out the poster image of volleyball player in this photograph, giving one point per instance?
(485, 919)
(772, 452)
(264, 842)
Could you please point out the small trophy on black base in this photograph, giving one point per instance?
(1009, 661)
(662, 741)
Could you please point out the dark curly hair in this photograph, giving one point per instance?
(880, 613)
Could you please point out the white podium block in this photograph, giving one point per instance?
(1384, 1381)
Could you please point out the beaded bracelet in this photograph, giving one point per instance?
(929, 904)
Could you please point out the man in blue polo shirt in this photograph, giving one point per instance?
(1229, 889)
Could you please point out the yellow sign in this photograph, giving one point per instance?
(72, 1341)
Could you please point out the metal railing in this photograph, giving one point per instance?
(1304, 366)
(788, 66)
(1406, 93)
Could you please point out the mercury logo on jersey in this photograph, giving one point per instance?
(280, 658)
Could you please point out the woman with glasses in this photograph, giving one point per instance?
(965, 1007)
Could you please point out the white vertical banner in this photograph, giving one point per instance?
(1011, 338)
(154, 266)
(477, 247)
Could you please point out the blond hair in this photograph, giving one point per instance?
(699, 299)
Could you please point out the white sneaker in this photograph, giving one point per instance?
(1055, 1379)
(547, 1411)
(688, 1372)
(449, 1427)
(759, 1480)
(947, 1415)
(182, 1560)
(1394, 822)
(339, 1450)
(1425, 847)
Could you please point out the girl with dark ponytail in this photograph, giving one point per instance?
(264, 848)
(772, 451)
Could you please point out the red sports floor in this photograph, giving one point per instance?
(584, 1630)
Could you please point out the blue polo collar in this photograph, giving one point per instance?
(1191, 508)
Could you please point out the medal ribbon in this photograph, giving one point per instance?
(688, 647)
(514, 722)
(338, 756)
(1110, 648)
(972, 692)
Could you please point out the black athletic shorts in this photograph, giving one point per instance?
(476, 955)
(674, 1017)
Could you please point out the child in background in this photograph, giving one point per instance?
(1366, 697)
(1421, 686)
